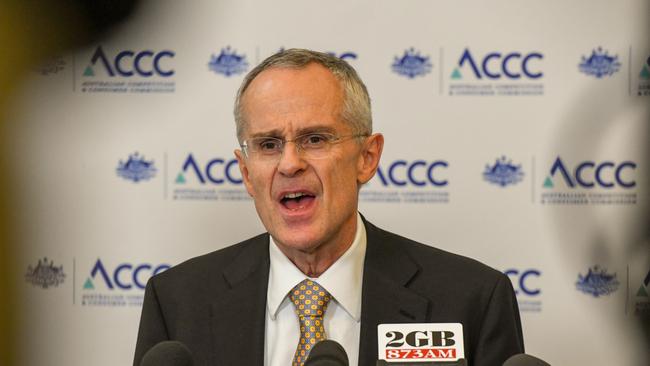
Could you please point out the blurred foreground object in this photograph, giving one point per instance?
(31, 32)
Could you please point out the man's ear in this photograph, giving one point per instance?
(369, 158)
(243, 168)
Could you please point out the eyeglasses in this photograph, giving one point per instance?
(311, 145)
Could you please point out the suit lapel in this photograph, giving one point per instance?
(386, 297)
(238, 315)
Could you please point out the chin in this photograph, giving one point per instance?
(304, 242)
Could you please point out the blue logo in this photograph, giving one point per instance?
(599, 64)
(597, 282)
(216, 171)
(125, 276)
(418, 173)
(527, 288)
(129, 63)
(136, 168)
(217, 179)
(497, 65)
(411, 64)
(503, 172)
(45, 274)
(118, 286)
(409, 181)
(589, 174)
(521, 281)
(228, 62)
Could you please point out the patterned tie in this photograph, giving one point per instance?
(310, 300)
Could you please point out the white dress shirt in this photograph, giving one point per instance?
(343, 280)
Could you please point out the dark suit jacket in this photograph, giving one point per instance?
(215, 304)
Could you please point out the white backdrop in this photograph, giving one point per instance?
(74, 125)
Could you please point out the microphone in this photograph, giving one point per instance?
(168, 353)
(327, 353)
(524, 360)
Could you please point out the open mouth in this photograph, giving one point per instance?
(296, 200)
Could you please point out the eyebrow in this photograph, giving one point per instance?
(277, 133)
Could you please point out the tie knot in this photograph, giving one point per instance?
(310, 299)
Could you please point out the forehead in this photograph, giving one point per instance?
(287, 98)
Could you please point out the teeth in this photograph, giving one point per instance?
(293, 195)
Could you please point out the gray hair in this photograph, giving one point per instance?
(356, 102)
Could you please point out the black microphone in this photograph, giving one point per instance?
(168, 353)
(523, 359)
(327, 353)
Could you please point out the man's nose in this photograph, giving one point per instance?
(291, 160)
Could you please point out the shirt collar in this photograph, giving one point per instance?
(343, 280)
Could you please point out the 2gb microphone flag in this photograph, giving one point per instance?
(418, 342)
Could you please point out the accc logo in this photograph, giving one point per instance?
(216, 171)
(127, 63)
(125, 276)
(588, 174)
(418, 173)
(521, 281)
(496, 65)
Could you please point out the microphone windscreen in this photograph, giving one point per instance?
(524, 360)
(327, 353)
(168, 353)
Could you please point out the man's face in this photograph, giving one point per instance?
(286, 103)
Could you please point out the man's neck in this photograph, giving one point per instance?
(316, 262)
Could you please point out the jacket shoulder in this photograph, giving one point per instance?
(432, 261)
(204, 268)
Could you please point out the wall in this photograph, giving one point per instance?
(458, 87)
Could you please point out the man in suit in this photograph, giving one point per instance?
(304, 126)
